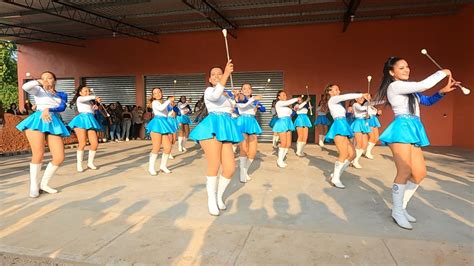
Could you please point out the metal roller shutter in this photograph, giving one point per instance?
(114, 89)
(65, 85)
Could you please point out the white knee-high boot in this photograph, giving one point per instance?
(281, 156)
(180, 144)
(368, 153)
(164, 162)
(336, 175)
(398, 192)
(48, 174)
(410, 190)
(184, 143)
(80, 158)
(299, 148)
(355, 163)
(243, 170)
(247, 166)
(223, 183)
(151, 164)
(211, 186)
(321, 140)
(35, 169)
(90, 160)
(275, 141)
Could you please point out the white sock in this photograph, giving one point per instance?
(35, 169)
(90, 160)
(223, 183)
(80, 158)
(243, 170)
(211, 187)
(48, 174)
(180, 143)
(151, 163)
(164, 162)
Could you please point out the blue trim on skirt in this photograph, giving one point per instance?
(374, 121)
(302, 120)
(184, 119)
(248, 124)
(322, 120)
(273, 121)
(361, 125)
(405, 129)
(34, 122)
(283, 124)
(219, 125)
(160, 124)
(85, 121)
(341, 127)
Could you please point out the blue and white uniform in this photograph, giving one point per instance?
(246, 121)
(274, 117)
(218, 123)
(85, 119)
(373, 120)
(361, 123)
(44, 100)
(407, 127)
(340, 126)
(160, 123)
(302, 120)
(173, 111)
(184, 112)
(322, 118)
(284, 112)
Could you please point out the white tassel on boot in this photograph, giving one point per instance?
(164, 162)
(281, 156)
(180, 144)
(368, 152)
(321, 140)
(409, 192)
(336, 175)
(243, 170)
(90, 160)
(223, 183)
(48, 174)
(151, 164)
(211, 186)
(80, 158)
(355, 162)
(35, 169)
(247, 166)
(398, 192)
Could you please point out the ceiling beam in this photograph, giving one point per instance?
(11, 26)
(80, 15)
(27, 35)
(208, 11)
(350, 13)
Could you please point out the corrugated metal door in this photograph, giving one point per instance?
(114, 89)
(65, 85)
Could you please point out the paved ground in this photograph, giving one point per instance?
(121, 215)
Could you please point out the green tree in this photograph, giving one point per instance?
(8, 73)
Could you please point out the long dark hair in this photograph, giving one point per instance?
(325, 98)
(77, 94)
(387, 80)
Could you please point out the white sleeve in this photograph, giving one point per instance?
(359, 108)
(243, 105)
(32, 87)
(344, 97)
(286, 103)
(302, 104)
(160, 106)
(83, 99)
(408, 87)
(214, 93)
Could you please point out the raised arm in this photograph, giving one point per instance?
(243, 105)
(429, 100)
(286, 103)
(160, 106)
(32, 87)
(344, 97)
(409, 87)
(84, 99)
(214, 93)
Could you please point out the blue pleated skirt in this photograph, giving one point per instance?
(273, 121)
(248, 124)
(341, 127)
(374, 121)
(86, 121)
(302, 120)
(160, 124)
(361, 125)
(322, 120)
(218, 125)
(283, 124)
(405, 129)
(184, 119)
(34, 122)
(174, 123)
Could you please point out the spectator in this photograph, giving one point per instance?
(126, 123)
(137, 120)
(115, 119)
(14, 109)
(147, 116)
